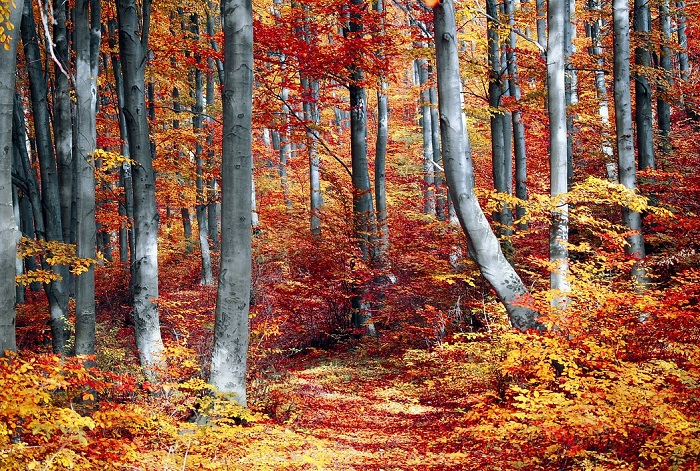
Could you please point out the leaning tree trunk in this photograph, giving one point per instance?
(133, 43)
(9, 234)
(558, 148)
(427, 127)
(460, 176)
(642, 87)
(56, 291)
(623, 128)
(230, 352)
(87, 48)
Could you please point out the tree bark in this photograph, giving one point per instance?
(558, 148)
(460, 176)
(56, 291)
(62, 118)
(87, 24)
(9, 234)
(230, 352)
(642, 87)
(427, 127)
(663, 105)
(133, 43)
(683, 62)
(623, 128)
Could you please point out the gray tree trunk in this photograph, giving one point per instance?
(642, 87)
(380, 157)
(441, 205)
(364, 222)
(87, 24)
(571, 85)
(311, 116)
(541, 6)
(500, 144)
(623, 128)
(133, 43)
(663, 105)
(9, 234)
(56, 291)
(558, 148)
(206, 278)
(62, 118)
(230, 352)
(519, 148)
(596, 51)
(683, 62)
(427, 127)
(460, 176)
(213, 205)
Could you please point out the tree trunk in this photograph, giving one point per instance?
(230, 352)
(212, 196)
(519, 148)
(427, 127)
(56, 291)
(87, 47)
(623, 128)
(364, 222)
(500, 149)
(642, 87)
(663, 105)
(9, 234)
(133, 42)
(558, 148)
(460, 176)
(683, 63)
(596, 51)
(380, 157)
(62, 119)
(441, 205)
(570, 86)
(311, 116)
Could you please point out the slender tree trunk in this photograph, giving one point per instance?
(460, 176)
(683, 63)
(311, 116)
(56, 291)
(212, 190)
(87, 24)
(623, 128)
(62, 119)
(364, 222)
(642, 87)
(133, 43)
(9, 234)
(380, 156)
(663, 105)
(500, 149)
(541, 6)
(427, 127)
(596, 51)
(207, 278)
(558, 148)
(230, 352)
(570, 86)
(519, 148)
(441, 205)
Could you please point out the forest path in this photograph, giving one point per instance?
(379, 413)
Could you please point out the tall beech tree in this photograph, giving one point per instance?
(230, 351)
(87, 37)
(623, 127)
(558, 155)
(642, 88)
(460, 176)
(9, 234)
(134, 28)
(57, 290)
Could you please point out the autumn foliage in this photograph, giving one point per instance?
(613, 383)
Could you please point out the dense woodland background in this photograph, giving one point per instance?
(343, 309)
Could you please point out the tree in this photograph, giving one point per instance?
(556, 61)
(9, 234)
(623, 128)
(460, 176)
(230, 351)
(134, 28)
(56, 290)
(642, 87)
(87, 34)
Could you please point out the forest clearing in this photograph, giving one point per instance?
(349, 235)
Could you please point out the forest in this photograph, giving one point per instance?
(349, 235)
